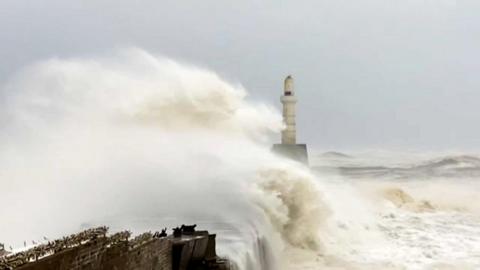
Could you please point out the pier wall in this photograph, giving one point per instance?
(153, 255)
(93, 249)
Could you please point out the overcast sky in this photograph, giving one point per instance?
(369, 73)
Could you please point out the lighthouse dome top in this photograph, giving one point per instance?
(288, 85)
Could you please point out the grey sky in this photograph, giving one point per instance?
(369, 73)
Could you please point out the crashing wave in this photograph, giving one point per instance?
(136, 141)
(402, 199)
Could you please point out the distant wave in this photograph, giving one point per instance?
(448, 166)
(334, 154)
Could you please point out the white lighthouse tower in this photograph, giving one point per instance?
(289, 134)
(289, 146)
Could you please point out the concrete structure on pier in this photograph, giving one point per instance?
(289, 146)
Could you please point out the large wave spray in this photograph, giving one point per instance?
(140, 142)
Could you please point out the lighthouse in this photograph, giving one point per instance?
(289, 134)
(289, 147)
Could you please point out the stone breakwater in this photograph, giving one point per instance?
(94, 249)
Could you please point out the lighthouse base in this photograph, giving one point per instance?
(296, 152)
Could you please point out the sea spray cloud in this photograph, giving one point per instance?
(140, 142)
(136, 85)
